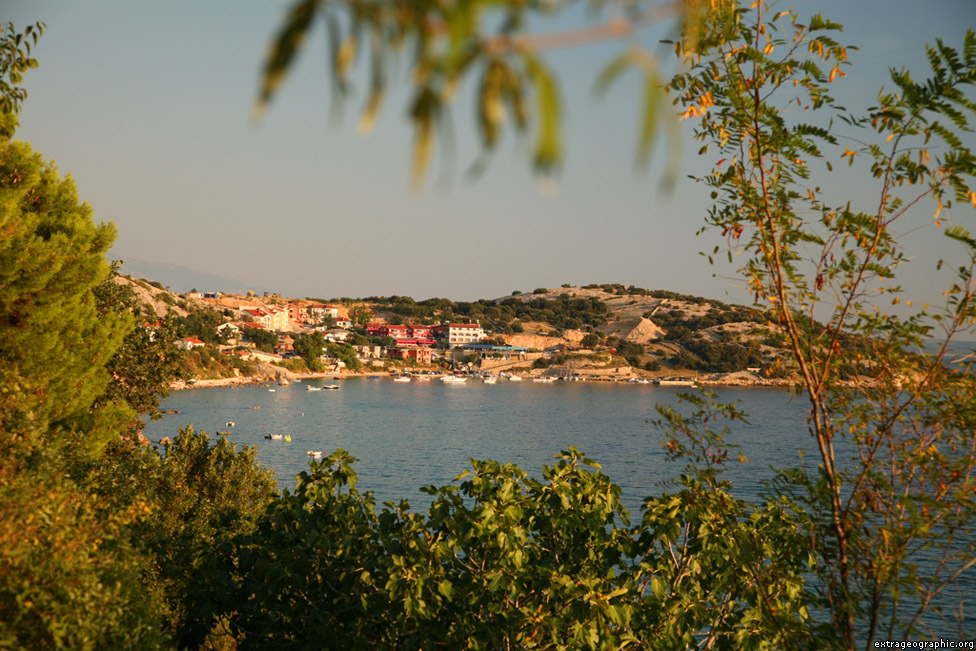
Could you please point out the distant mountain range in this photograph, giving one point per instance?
(180, 279)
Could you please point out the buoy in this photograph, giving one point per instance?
(256, 407)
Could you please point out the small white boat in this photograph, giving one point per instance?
(272, 390)
(230, 423)
(544, 380)
(315, 454)
(515, 378)
(491, 379)
(331, 387)
(309, 387)
(422, 378)
(275, 437)
(402, 378)
(453, 379)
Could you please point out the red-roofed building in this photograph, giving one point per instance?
(419, 354)
(297, 313)
(189, 343)
(412, 335)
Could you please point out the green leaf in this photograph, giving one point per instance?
(284, 48)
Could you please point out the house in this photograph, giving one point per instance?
(259, 317)
(369, 352)
(337, 334)
(285, 345)
(419, 354)
(343, 323)
(150, 328)
(495, 352)
(189, 343)
(405, 335)
(230, 331)
(321, 311)
(458, 334)
(297, 313)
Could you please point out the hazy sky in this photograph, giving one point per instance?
(147, 105)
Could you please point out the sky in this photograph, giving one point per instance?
(148, 105)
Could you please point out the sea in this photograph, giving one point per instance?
(409, 435)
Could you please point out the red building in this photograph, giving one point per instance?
(413, 335)
(419, 354)
(297, 313)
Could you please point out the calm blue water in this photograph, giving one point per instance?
(411, 435)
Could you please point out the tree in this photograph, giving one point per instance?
(15, 60)
(147, 362)
(263, 340)
(54, 341)
(892, 523)
(360, 315)
(310, 346)
(591, 340)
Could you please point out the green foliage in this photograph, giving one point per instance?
(310, 347)
(502, 560)
(877, 518)
(201, 324)
(196, 497)
(263, 340)
(147, 362)
(70, 577)
(15, 60)
(591, 340)
(345, 353)
(54, 342)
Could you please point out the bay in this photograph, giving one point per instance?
(408, 435)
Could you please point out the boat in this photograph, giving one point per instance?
(515, 378)
(422, 378)
(275, 437)
(230, 423)
(315, 454)
(453, 379)
(544, 380)
(309, 387)
(402, 378)
(283, 382)
(491, 379)
(676, 383)
(272, 390)
(331, 387)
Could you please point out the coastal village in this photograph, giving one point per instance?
(628, 347)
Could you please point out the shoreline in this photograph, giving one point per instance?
(717, 380)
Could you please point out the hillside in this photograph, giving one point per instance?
(593, 332)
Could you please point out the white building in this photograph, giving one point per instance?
(459, 334)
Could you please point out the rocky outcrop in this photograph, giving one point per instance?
(637, 329)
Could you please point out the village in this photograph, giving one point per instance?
(363, 339)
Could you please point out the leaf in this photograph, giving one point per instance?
(612, 71)
(284, 48)
(548, 150)
(652, 99)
